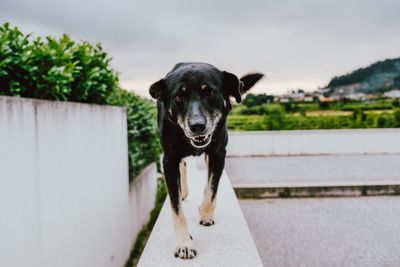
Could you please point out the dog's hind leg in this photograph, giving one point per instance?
(184, 244)
(183, 185)
(216, 164)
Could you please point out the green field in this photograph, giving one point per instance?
(305, 116)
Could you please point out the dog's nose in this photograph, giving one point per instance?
(196, 120)
(197, 128)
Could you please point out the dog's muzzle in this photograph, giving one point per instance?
(200, 141)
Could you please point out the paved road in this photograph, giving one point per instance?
(326, 232)
(310, 169)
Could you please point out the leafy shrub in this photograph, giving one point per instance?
(291, 106)
(143, 145)
(386, 120)
(255, 100)
(359, 118)
(68, 71)
(54, 69)
(396, 102)
(275, 119)
(324, 105)
(396, 115)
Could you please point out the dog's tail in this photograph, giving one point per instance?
(249, 81)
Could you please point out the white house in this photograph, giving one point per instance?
(392, 94)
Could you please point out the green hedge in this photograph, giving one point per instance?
(54, 69)
(61, 69)
(143, 144)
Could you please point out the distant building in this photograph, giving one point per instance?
(296, 94)
(326, 99)
(308, 99)
(357, 96)
(293, 94)
(392, 94)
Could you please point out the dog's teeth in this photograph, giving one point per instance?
(200, 138)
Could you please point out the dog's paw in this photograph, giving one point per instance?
(185, 250)
(185, 253)
(207, 222)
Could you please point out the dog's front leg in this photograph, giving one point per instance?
(183, 185)
(184, 243)
(216, 162)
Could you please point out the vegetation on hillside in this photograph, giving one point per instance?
(359, 75)
(378, 77)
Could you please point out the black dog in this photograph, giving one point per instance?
(193, 103)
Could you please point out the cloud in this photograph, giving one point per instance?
(292, 42)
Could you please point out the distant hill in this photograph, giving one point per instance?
(379, 77)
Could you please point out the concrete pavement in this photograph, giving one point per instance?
(319, 169)
(326, 231)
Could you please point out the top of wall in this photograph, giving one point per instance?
(14, 100)
(314, 142)
(227, 243)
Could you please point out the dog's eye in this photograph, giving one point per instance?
(179, 97)
(210, 93)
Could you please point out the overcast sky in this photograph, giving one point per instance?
(294, 43)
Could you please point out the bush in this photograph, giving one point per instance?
(54, 69)
(386, 120)
(359, 118)
(396, 102)
(143, 145)
(396, 115)
(68, 71)
(324, 105)
(275, 119)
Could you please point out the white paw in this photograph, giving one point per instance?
(207, 221)
(185, 250)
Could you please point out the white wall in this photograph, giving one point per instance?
(64, 192)
(227, 243)
(142, 195)
(311, 142)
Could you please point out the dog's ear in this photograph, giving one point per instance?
(157, 90)
(249, 80)
(232, 86)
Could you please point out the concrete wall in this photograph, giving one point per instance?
(277, 143)
(64, 192)
(142, 195)
(227, 243)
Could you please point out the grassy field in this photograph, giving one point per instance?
(304, 116)
(327, 113)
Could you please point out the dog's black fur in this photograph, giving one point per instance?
(193, 104)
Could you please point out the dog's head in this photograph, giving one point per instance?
(196, 97)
